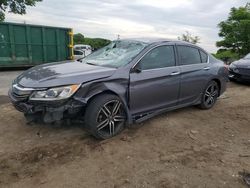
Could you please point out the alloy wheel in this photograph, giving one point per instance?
(211, 94)
(110, 118)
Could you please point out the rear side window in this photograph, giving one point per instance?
(203, 56)
(188, 55)
(159, 57)
(76, 52)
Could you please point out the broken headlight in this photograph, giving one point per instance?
(56, 93)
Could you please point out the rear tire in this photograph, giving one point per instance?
(105, 116)
(210, 95)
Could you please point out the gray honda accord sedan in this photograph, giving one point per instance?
(126, 82)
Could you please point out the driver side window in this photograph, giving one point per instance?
(159, 57)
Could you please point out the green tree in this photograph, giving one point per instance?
(15, 6)
(235, 31)
(189, 38)
(95, 43)
(78, 38)
(227, 56)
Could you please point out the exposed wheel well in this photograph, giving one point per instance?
(102, 93)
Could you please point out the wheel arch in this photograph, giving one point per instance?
(108, 92)
(219, 84)
(113, 89)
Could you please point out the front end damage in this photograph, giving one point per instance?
(46, 111)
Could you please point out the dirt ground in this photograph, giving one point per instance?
(183, 148)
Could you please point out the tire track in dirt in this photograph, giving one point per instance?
(36, 161)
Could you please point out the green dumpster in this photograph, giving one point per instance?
(28, 45)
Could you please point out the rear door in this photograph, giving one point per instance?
(195, 72)
(154, 81)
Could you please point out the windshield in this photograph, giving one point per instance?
(247, 56)
(116, 54)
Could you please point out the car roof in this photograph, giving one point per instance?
(153, 40)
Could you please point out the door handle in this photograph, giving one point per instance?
(206, 68)
(174, 73)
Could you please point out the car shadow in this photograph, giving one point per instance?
(242, 83)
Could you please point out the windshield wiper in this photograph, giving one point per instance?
(91, 64)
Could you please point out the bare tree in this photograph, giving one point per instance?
(189, 38)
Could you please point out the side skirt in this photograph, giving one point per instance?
(145, 116)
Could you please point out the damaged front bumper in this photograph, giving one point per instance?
(47, 111)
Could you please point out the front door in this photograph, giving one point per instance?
(155, 81)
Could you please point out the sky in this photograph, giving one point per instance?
(134, 18)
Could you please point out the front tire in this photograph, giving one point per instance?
(210, 95)
(105, 116)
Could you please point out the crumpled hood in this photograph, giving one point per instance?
(242, 63)
(57, 74)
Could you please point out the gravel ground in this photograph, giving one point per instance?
(184, 148)
(6, 78)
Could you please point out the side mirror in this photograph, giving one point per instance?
(137, 69)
